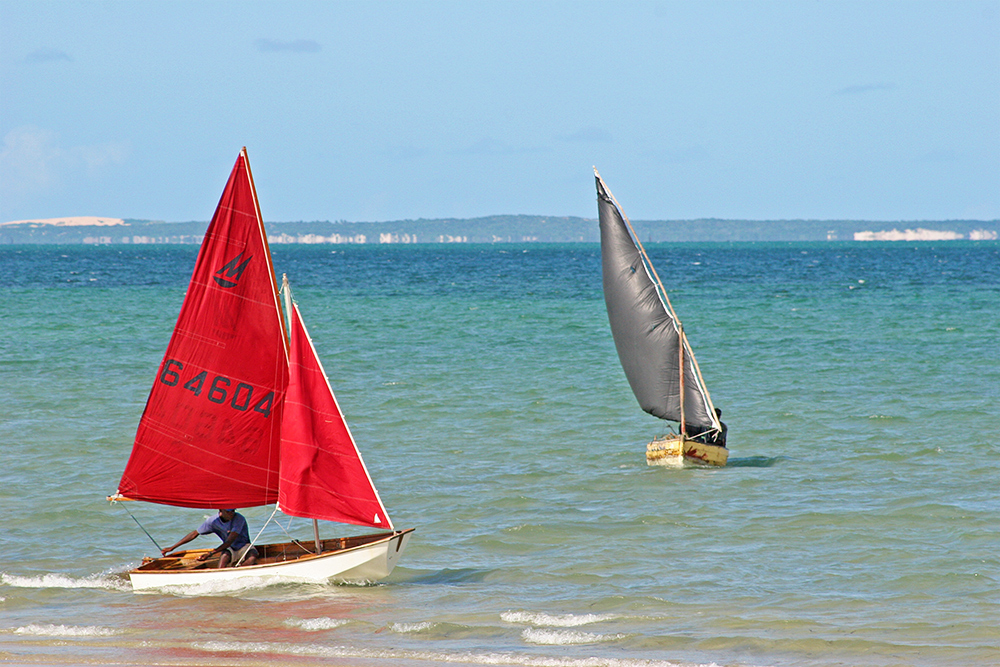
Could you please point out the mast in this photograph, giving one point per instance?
(267, 248)
(287, 292)
(680, 369)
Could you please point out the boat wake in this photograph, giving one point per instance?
(755, 461)
(230, 586)
(451, 576)
(52, 580)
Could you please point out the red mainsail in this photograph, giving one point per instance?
(322, 473)
(210, 434)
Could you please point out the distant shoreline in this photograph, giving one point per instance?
(496, 229)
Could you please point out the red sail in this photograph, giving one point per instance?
(322, 474)
(210, 433)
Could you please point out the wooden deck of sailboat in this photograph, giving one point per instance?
(355, 559)
(674, 450)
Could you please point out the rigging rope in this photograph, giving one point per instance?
(289, 535)
(115, 502)
(253, 542)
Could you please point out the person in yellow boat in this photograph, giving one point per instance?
(711, 436)
(719, 437)
(232, 529)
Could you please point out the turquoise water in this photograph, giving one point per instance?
(858, 522)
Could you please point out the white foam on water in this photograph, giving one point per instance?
(314, 624)
(304, 587)
(222, 587)
(554, 620)
(564, 637)
(65, 631)
(669, 462)
(410, 627)
(433, 657)
(52, 580)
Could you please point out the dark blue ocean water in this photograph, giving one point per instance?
(858, 522)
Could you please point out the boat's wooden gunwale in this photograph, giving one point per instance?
(272, 555)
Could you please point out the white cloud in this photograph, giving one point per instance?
(47, 55)
(32, 163)
(97, 158)
(29, 161)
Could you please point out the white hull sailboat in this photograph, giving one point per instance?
(358, 559)
(652, 347)
(241, 414)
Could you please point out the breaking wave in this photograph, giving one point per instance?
(565, 637)
(65, 631)
(314, 624)
(410, 627)
(64, 581)
(434, 657)
(554, 620)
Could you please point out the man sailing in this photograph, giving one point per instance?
(232, 529)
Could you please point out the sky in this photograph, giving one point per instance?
(380, 111)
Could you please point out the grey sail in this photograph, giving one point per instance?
(646, 331)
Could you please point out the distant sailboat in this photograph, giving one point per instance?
(652, 347)
(241, 414)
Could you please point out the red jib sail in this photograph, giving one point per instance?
(210, 434)
(322, 473)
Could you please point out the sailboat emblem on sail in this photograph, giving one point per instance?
(233, 269)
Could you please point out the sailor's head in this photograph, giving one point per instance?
(718, 412)
(227, 515)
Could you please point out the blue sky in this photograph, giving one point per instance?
(369, 111)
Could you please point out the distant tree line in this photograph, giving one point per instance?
(494, 229)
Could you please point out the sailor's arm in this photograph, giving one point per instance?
(184, 540)
(228, 542)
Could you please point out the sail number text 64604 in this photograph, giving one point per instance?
(220, 390)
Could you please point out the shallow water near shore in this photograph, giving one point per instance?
(857, 523)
